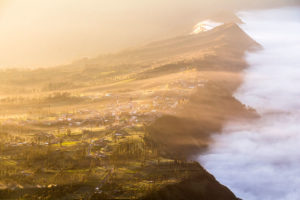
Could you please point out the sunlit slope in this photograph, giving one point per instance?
(190, 77)
(136, 117)
(199, 51)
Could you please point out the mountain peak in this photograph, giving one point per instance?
(205, 25)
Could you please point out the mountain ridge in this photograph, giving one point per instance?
(170, 95)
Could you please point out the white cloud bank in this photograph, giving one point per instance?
(260, 160)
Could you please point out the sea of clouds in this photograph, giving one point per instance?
(260, 159)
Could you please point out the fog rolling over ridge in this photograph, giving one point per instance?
(260, 159)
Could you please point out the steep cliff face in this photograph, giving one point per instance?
(189, 131)
(200, 187)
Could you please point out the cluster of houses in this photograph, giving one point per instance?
(119, 111)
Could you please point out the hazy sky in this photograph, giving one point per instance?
(49, 32)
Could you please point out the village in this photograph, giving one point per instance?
(98, 138)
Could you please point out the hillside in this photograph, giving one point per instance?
(125, 125)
